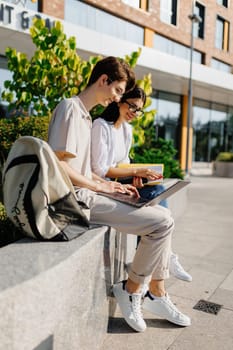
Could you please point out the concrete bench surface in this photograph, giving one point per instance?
(55, 295)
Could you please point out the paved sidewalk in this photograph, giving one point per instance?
(203, 239)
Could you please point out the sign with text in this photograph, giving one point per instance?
(18, 18)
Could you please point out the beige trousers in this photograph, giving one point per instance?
(154, 224)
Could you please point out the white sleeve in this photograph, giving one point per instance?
(61, 136)
(101, 151)
(128, 132)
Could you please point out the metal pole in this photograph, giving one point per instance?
(190, 96)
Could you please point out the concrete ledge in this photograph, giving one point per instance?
(178, 202)
(54, 295)
(223, 169)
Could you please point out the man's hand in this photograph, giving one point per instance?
(114, 186)
(131, 190)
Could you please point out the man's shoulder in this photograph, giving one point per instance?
(64, 103)
(70, 100)
(71, 105)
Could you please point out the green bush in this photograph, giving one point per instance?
(8, 232)
(12, 128)
(162, 152)
(225, 157)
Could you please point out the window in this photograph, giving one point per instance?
(223, 2)
(88, 16)
(138, 4)
(222, 34)
(29, 4)
(167, 119)
(5, 74)
(216, 64)
(173, 48)
(168, 11)
(199, 10)
(133, 3)
(212, 130)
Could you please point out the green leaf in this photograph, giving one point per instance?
(72, 43)
(7, 84)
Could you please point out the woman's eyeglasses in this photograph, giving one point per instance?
(134, 109)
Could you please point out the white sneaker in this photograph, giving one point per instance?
(144, 289)
(177, 270)
(163, 307)
(130, 305)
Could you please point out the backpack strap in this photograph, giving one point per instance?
(27, 200)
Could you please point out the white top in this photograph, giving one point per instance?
(70, 131)
(120, 144)
(103, 146)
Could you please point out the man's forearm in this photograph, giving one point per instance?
(79, 179)
(97, 178)
(98, 184)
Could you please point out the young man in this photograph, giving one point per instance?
(70, 138)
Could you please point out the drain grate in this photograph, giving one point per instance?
(207, 306)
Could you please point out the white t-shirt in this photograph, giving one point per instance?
(70, 131)
(103, 146)
(120, 144)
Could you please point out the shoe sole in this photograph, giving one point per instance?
(186, 279)
(178, 323)
(132, 325)
(183, 279)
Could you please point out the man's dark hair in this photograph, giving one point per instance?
(116, 69)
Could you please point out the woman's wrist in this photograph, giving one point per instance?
(97, 186)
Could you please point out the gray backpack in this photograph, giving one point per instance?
(38, 195)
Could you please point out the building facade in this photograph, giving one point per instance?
(190, 61)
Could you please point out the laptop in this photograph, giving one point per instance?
(171, 186)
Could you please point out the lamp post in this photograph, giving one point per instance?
(194, 19)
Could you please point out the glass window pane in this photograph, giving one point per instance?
(223, 2)
(88, 16)
(212, 130)
(25, 3)
(219, 33)
(5, 74)
(216, 64)
(167, 118)
(172, 48)
(229, 136)
(201, 149)
(166, 10)
(198, 28)
(133, 3)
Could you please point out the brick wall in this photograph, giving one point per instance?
(151, 19)
(180, 33)
(53, 8)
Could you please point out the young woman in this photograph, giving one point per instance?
(110, 145)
